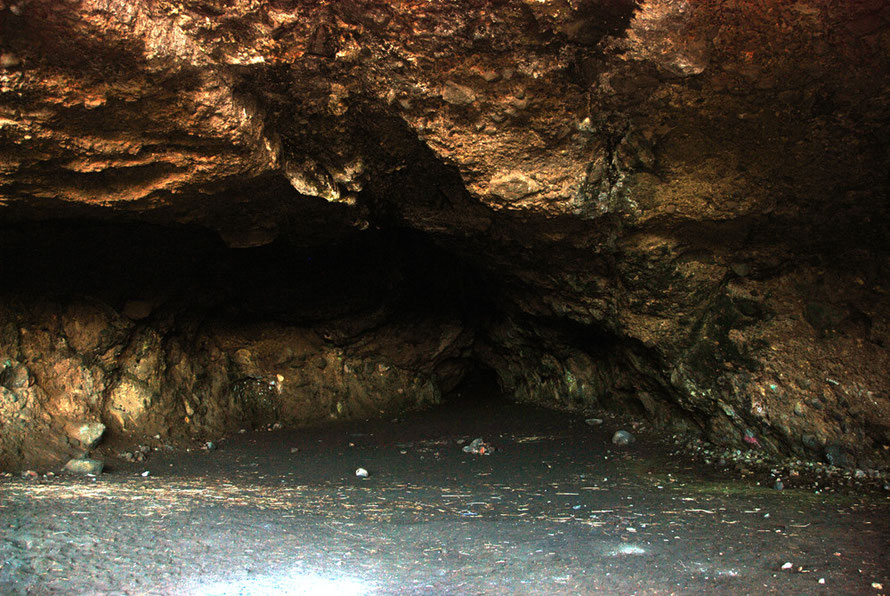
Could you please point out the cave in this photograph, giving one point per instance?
(444, 297)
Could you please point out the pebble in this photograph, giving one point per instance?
(458, 95)
(594, 421)
(787, 565)
(622, 437)
(361, 473)
(779, 485)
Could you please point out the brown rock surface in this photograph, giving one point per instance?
(674, 209)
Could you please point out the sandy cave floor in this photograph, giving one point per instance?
(556, 509)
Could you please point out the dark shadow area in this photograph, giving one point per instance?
(190, 268)
(479, 387)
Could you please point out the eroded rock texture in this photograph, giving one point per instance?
(673, 208)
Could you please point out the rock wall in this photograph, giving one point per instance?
(168, 332)
(60, 373)
(678, 208)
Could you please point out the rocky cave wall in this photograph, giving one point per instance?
(674, 209)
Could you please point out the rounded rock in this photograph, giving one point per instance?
(622, 437)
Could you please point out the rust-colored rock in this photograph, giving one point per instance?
(679, 210)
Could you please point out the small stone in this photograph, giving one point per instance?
(593, 421)
(83, 465)
(787, 565)
(361, 473)
(91, 103)
(741, 269)
(798, 409)
(294, 449)
(458, 95)
(622, 437)
(822, 580)
(810, 442)
(519, 103)
(513, 186)
(877, 585)
(145, 474)
(779, 485)
(209, 446)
